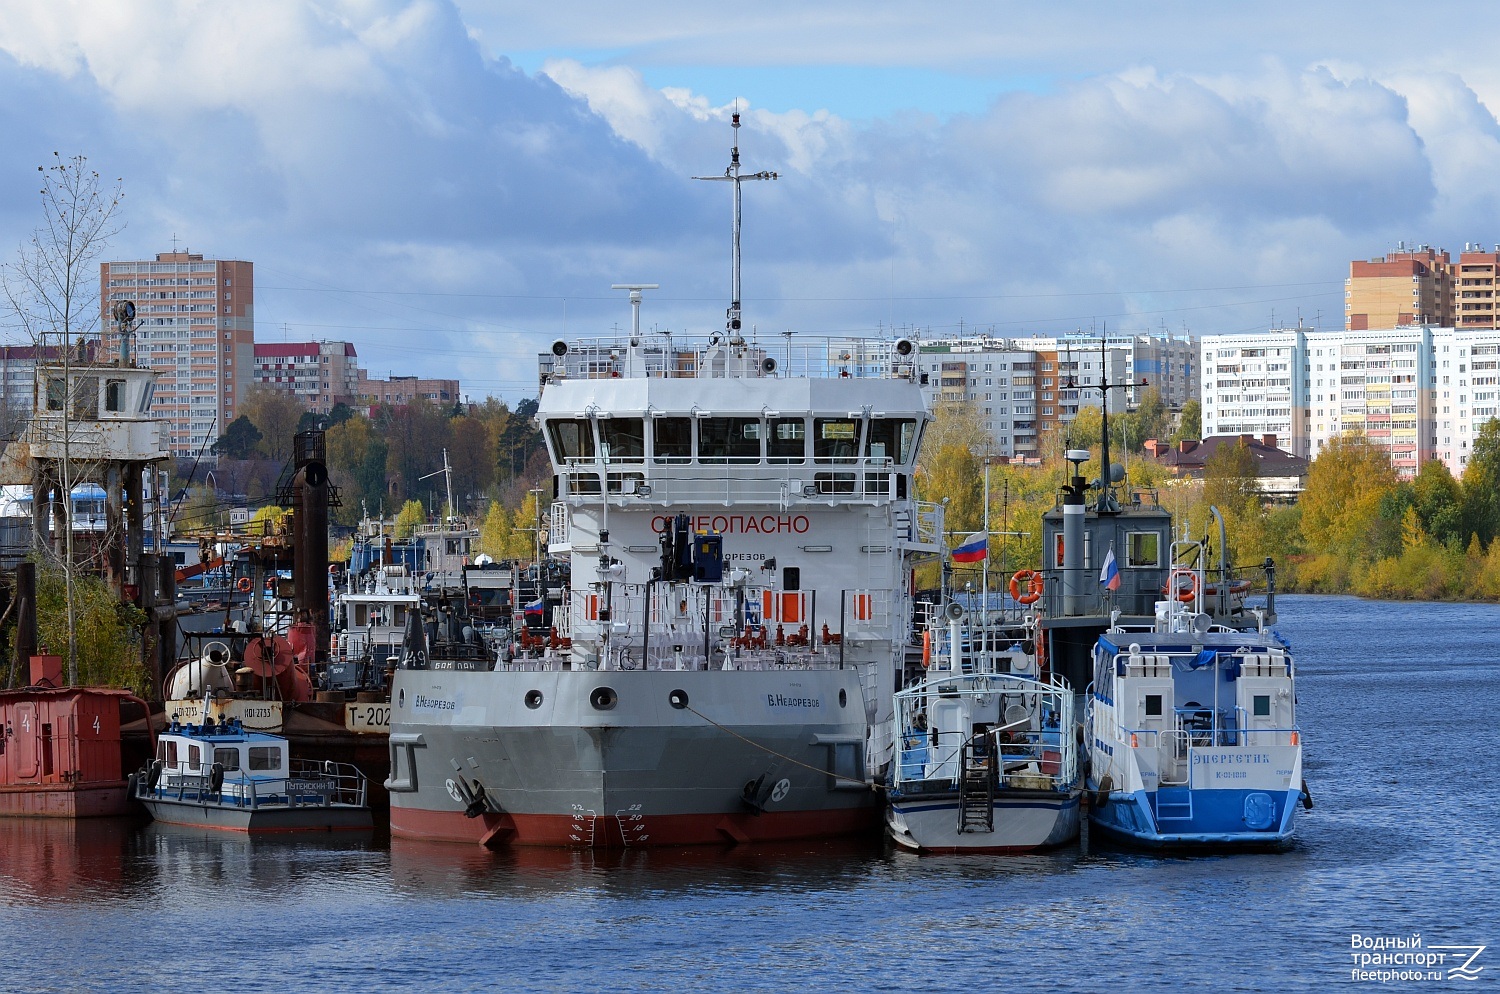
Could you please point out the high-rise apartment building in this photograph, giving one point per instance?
(197, 329)
(1025, 388)
(318, 374)
(1418, 391)
(1423, 286)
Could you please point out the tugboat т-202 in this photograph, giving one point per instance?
(742, 527)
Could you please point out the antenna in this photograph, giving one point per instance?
(732, 175)
(635, 304)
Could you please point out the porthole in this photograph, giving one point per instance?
(843, 699)
(678, 699)
(603, 699)
(533, 699)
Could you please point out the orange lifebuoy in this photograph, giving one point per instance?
(244, 585)
(1033, 586)
(1186, 594)
(926, 649)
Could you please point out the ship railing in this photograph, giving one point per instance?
(308, 783)
(871, 479)
(1036, 759)
(665, 356)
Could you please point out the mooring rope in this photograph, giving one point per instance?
(780, 755)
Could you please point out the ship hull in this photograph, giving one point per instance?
(750, 756)
(1023, 822)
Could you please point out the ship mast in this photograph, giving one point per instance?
(732, 175)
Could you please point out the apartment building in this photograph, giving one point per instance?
(318, 374)
(1421, 392)
(197, 330)
(1026, 388)
(1423, 286)
(404, 389)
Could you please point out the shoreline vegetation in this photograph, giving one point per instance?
(1357, 528)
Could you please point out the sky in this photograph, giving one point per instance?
(453, 184)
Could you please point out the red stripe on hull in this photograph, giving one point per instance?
(609, 832)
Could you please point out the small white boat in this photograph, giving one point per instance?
(988, 759)
(219, 775)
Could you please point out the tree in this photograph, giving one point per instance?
(955, 477)
(52, 289)
(1189, 423)
(103, 630)
(239, 440)
(1346, 508)
(1086, 428)
(472, 459)
(276, 415)
(1437, 499)
(953, 424)
(1148, 420)
(412, 514)
(1481, 489)
(496, 533)
(1231, 481)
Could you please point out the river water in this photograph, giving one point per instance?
(1397, 702)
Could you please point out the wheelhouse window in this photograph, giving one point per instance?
(1143, 549)
(227, 758)
(835, 439)
(786, 441)
(264, 758)
(114, 395)
(572, 439)
(57, 393)
(625, 437)
(722, 440)
(891, 438)
(672, 439)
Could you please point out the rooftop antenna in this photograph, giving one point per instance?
(732, 175)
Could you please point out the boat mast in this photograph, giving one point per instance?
(732, 175)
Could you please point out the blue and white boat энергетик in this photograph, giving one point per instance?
(1192, 732)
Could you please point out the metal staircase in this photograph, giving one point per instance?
(976, 786)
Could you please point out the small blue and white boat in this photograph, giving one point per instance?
(988, 759)
(219, 775)
(1192, 731)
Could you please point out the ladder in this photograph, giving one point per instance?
(976, 787)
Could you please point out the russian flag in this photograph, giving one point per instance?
(973, 549)
(534, 608)
(1109, 574)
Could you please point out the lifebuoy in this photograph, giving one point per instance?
(1033, 586)
(333, 569)
(1188, 594)
(926, 649)
(244, 585)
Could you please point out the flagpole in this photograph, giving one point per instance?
(984, 572)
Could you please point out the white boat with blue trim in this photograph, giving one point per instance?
(989, 759)
(219, 775)
(1192, 730)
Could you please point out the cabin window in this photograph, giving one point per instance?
(195, 757)
(722, 440)
(786, 441)
(626, 438)
(891, 438)
(361, 616)
(167, 753)
(264, 758)
(1143, 549)
(57, 393)
(672, 439)
(1153, 705)
(573, 439)
(114, 395)
(227, 758)
(86, 398)
(1262, 705)
(791, 578)
(835, 439)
